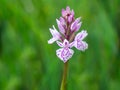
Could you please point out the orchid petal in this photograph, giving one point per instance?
(78, 20)
(64, 12)
(78, 26)
(65, 43)
(81, 35)
(64, 54)
(74, 24)
(59, 43)
(62, 21)
(71, 44)
(52, 40)
(61, 28)
(70, 18)
(54, 32)
(68, 9)
(56, 35)
(81, 45)
(72, 12)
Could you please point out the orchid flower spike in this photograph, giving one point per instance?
(66, 38)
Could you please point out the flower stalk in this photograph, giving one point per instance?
(64, 77)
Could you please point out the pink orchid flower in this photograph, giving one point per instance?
(78, 43)
(56, 35)
(66, 39)
(65, 53)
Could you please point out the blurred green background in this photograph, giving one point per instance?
(27, 62)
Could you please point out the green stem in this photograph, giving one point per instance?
(64, 77)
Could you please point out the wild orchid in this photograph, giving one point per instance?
(65, 38)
